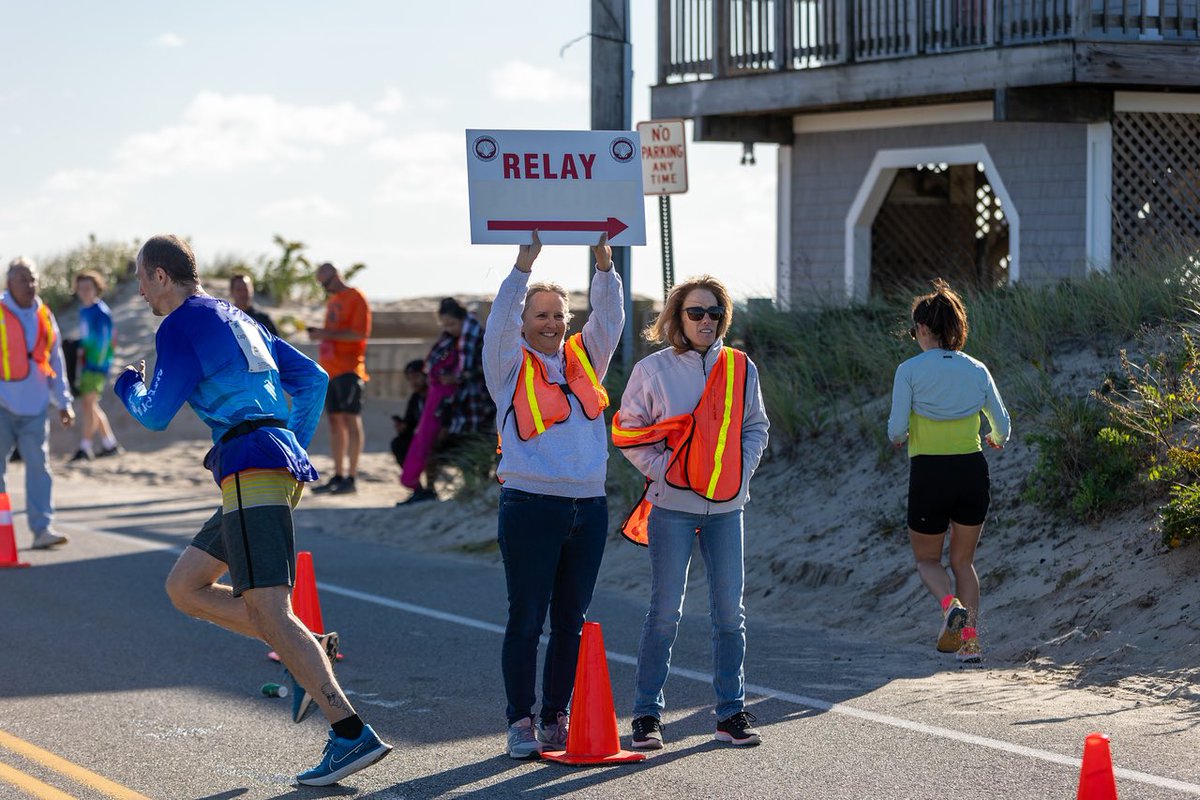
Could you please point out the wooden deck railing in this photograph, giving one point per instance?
(720, 38)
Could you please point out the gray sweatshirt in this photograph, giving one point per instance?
(570, 458)
(666, 384)
(945, 385)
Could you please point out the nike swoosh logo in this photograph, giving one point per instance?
(335, 760)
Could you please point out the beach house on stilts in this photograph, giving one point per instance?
(987, 141)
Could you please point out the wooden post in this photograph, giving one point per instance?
(612, 110)
(664, 40)
(783, 34)
(720, 43)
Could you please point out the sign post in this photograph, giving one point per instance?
(664, 173)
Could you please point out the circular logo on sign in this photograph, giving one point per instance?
(485, 148)
(622, 149)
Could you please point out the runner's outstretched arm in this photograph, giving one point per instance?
(177, 372)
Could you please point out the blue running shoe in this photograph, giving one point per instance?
(344, 757)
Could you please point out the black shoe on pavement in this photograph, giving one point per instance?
(419, 496)
(345, 486)
(332, 485)
(81, 455)
(647, 733)
(109, 452)
(738, 730)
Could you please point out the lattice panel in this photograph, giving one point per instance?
(1156, 182)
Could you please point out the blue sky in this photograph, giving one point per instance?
(337, 124)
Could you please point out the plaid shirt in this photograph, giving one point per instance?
(470, 408)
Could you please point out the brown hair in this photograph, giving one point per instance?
(93, 276)
(173, 255)
(668, 328)
(944, 314)
(552, 288)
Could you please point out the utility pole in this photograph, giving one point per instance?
(612, 110)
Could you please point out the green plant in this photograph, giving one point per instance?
(113, 260)
(1181, 515)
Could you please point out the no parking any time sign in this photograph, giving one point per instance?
(570, 186)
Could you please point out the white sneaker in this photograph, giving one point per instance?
(522, 740)
(47, 539)
(554, 734)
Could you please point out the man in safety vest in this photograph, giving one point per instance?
(32, 375)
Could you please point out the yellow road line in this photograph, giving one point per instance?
(31, 785)
(72, 771)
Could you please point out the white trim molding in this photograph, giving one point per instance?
(878, 182)
(1099, 197)
(783, 228)
(1157, 102)
(907, 117)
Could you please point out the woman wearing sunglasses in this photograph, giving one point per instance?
(936, 400)
(553, 517)
(692, 421)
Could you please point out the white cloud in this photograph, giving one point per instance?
(225, 132)
(308, 206)
(524, 82)
(168, 40)
(392, 102)
(430, 169)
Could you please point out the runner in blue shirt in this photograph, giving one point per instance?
(235, 375)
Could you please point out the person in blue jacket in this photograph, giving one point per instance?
(235, 375)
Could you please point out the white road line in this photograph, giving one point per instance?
(764, 691)
(788, 697)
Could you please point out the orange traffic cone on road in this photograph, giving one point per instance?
(1096, 781)
(8, 537)
(305, 603)
(592, 737)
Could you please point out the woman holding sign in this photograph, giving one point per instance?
(692, 421)
(553, 512)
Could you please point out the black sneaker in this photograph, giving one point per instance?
(738, 730)
(419, 496)
(647, 733)
(326, 488)
(345, 486)
(80, 455)
(109, 452)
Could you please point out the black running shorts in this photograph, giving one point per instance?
(252, 532)
(345, 394)
(942, 489)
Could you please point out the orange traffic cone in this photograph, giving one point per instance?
(8, 537)
(1096, 780)
(305, 603)
(592, 737)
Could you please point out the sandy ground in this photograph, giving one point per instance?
(1101, 606)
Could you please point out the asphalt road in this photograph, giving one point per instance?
(107, 692)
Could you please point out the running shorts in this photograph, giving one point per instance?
(942, 489)
(344, 394)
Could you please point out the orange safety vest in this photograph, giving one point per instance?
(539, 403)
(706, 444)
(15, 353)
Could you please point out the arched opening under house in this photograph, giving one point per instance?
(939, 220)
(927, 213)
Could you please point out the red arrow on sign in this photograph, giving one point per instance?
(612, 225)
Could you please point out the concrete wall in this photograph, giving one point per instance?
(1043, 166)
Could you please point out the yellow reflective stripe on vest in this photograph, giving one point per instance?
(4, 347)
(725, 421)
(583, 359)
(531, 396)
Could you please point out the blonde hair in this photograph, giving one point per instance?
(552, 288)
(668, 328)
(943, 312)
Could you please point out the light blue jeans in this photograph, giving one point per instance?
(671, 534)
(29, 434)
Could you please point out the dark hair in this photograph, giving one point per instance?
(944, 314)
(91, 275)
(668, 328)
(416, 365)
(449, 307)
(171, 254)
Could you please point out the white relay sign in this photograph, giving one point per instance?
(664, 156)
(570, 186)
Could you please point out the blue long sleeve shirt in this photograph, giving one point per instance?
(230, 370)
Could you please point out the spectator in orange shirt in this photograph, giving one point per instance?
(342, 353)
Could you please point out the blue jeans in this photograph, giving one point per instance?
(671, 534)
(29, 434)
(552, 548)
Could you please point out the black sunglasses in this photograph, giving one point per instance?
(696, 313)
(912, 332)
